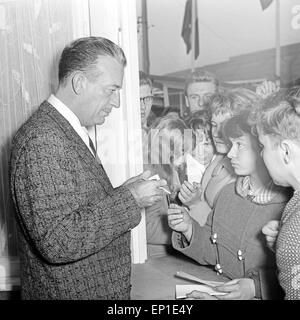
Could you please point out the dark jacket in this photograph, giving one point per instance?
(232, 239)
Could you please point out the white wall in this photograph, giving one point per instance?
(119, 139)
(226, 27)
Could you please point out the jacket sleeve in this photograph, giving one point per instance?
(157, 228)
(200, 247)
(266, 282)
(63, 211)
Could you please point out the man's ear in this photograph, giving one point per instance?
(78, 82)
(187, 102)
(285, 148)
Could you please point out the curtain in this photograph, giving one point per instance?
(32, 35)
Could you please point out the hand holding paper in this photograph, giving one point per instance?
(147, 192)
(184, 275)
(194, 168)
(197, 291)
(156, 177)
(189, 193)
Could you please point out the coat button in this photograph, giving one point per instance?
(214, 238)
(240, 254)
(218, 268)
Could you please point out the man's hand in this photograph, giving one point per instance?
(143, 176)
(270, 230)
(179, 220)
(147, 192)
(237, 289)
(189, 193)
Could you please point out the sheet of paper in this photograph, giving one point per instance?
(184, 275)
(194, 169)
(155, 177)
(183, 289)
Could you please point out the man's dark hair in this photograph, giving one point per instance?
(82, 55)
(238, 125)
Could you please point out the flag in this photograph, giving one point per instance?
(186, 31)
(265, 3)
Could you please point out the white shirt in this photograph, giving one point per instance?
(72, 119)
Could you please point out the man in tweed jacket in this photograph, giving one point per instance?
(74, 227)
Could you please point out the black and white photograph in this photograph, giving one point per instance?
(150, 151)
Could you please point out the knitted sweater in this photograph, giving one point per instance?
(73, 225)
(232, 240)
(288, 249)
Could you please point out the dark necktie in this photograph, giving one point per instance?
(92, 147)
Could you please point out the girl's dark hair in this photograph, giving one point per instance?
(199, 120)
(237, 126)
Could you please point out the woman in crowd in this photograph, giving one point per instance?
(231, 240)
(200, 199)
(203, 149)
(278, 126)
(167, 145)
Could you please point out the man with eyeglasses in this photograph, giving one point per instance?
(199, 87)
(146, 98)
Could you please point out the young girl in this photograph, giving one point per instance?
(231, 239)
(278, 126)
(219, 172)
(166, 157)
(203, 148)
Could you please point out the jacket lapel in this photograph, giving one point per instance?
(91, 164)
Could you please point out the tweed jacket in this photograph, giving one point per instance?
(232, 240)
(73, 225)
(288, 249)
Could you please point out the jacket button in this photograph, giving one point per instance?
(214, 238)
(218, 268)
(240, 254)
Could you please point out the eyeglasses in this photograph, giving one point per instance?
(147, 100)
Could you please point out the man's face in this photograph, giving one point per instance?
(101, 94)
(272, 157)
(198, 95)
(245, 155)
(146, 100)
(216, 131)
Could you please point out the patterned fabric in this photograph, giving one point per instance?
(288, 249)
(261, 195)
(73, 225)
(68, 114)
